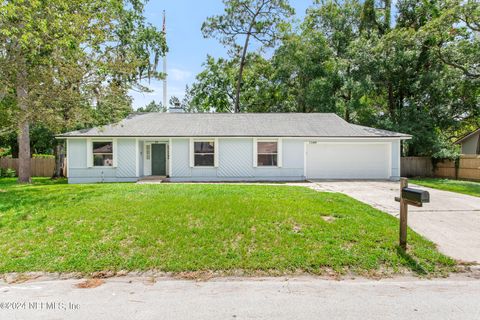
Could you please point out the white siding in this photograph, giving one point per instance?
(181, 158)
(236, 162)
(396, 154)
(77, 153)
(126, 158)
(235, 158)
(140, 157)
(79, 172)
(469, 145)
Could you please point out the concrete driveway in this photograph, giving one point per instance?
(451, 220)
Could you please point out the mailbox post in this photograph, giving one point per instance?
(409, 196)
(403, 215)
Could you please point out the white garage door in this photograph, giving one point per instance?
(348, 161)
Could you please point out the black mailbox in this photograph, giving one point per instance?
(415, 195)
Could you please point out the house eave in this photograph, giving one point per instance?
(467, 136)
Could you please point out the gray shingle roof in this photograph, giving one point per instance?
(233, 125)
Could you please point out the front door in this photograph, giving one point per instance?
(159, 160)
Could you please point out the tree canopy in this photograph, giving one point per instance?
(247, 20)
(68, 63)
(416, 72)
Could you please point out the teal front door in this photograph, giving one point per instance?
(159, 160)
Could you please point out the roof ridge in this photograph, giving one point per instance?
(240, 113)
(286, 124)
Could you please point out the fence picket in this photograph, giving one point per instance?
(39, 167)
(469, 167)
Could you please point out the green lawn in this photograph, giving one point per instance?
(460, 186)
(52, 226)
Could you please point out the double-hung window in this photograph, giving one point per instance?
(204, 153)
(267, 153)
(102, 153)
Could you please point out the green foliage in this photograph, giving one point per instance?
(418, 75)
(466, 187)
(244, 21)
(261, 19)
(5, 152)
(43, 156)
(201, 227)
(152, 107)
(68, 64)
(7, 173)
(214, 89)
(42, 140)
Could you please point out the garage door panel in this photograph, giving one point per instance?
(348, 161)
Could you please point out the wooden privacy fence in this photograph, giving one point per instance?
(41, 167)
(468, 167)
(416, 167)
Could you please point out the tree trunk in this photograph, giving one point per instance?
(240, 74)
(388, 13)
(24, 174)
(59, 160)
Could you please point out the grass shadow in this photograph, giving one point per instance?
(412, 263)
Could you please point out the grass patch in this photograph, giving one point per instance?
(466, 187)
(56, 227)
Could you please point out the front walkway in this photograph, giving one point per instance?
(152, 180)
(451, 220)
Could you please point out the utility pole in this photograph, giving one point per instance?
(164, 30)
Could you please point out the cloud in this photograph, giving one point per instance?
(176, 74)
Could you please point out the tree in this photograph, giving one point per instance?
(64, 64)
(409, 87)
(174, 102)
(417, 75)
(262, 20)
(214, 88)
(454, 35)
(341, 25)
(152, 107)
(304, 73)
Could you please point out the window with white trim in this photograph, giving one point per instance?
(102, 152)
(267, 153)
(204, 153)
(148, 151)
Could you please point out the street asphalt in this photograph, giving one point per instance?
(457, 297)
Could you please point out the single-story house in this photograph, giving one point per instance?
(232, 147)
(470, 143)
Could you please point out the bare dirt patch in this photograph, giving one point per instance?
(329, 218)
(90, 283)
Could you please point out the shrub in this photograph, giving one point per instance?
(7, 173)
(43, 156)
(5, 152)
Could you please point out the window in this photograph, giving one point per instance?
(267, 153)
(148, 151)
(204, 153)
(102, 154)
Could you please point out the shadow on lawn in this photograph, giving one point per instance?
(27, 198)
(412, 263)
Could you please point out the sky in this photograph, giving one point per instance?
(187, 47)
